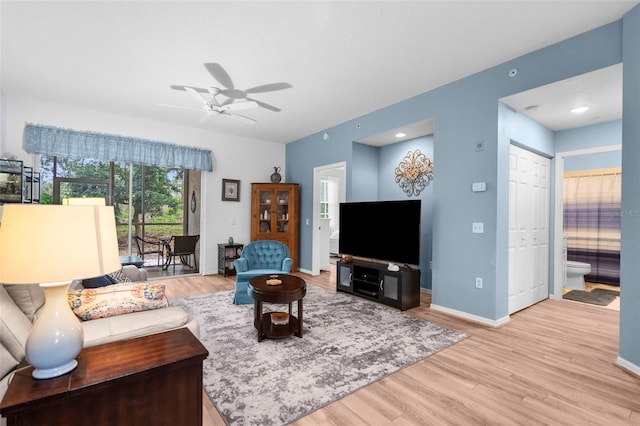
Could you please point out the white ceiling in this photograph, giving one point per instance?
(343, 59)
(600, 91)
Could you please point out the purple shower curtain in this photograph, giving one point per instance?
(592, 200)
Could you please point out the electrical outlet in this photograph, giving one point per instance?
(477, 227)
(479, 186)
(478, 282)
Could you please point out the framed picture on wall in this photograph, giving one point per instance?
(230, 190)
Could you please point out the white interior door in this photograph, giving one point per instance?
(323, 241)
(528, 228)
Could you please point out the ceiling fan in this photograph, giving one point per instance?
(211, 106)
(230, 91)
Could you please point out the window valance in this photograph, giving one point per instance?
(61, 142)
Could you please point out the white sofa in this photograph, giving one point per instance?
(21, 304)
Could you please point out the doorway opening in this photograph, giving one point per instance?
(558, 231)
(329, 190)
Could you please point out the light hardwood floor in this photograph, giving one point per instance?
(552, 364)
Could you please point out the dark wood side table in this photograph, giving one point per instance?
(293, 288)
(151, 380)
(227, 253)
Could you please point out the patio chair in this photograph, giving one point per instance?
(182, 246)
(142, 244)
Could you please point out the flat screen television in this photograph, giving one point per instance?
(386, 231)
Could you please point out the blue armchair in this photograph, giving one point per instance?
(259, 258)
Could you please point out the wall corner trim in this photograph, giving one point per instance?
(629, 366)
(475, 318)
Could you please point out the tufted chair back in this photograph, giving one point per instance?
(265, 254)
(259, 258)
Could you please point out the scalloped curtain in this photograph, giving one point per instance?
(61, 142)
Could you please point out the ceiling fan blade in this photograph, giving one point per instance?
(197, 95)
(238, 117)
(239, 105)
(264, 105)
(234, 93)
(269, 88)
(181, 107)
(184, 88)
(219, 74)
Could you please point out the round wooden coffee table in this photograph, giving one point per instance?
(291, 289)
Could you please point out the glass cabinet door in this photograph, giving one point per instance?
(282, 211)
(266, 199)
(344, 276)
(390, 287)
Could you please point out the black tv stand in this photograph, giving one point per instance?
(374, 281)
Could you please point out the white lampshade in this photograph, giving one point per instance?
(53, 245)
(47, 243)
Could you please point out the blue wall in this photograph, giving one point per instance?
(365, 170)
(390, 157)
(466, 112)
(609, 133)
(630, 220)
(593, 161)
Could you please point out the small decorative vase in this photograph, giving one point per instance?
(230, 240)
(275, 176)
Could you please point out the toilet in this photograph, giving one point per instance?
(575, 272)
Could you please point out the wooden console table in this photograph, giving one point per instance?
(152, 380)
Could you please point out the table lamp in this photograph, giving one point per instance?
(52, 245)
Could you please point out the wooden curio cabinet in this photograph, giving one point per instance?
(274, 215)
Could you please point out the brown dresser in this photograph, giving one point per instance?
(151, 380)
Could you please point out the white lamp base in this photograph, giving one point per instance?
(57, 337)
(48, 373)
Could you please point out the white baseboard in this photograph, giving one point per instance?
(306, 271)
(633, 368)
(471, 317)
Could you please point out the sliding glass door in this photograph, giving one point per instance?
(148, 201)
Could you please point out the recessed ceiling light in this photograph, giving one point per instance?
(580, 109)
(400, 135)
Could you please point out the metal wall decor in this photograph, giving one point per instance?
(414, 173)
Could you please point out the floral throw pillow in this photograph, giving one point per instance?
(116, 299)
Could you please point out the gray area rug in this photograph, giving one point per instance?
(597, 296)
(348, 343)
